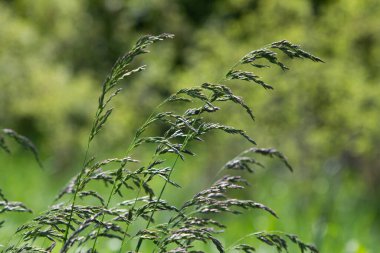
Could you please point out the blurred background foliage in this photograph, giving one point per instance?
(324, 117)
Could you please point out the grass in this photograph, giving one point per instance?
(123, 199)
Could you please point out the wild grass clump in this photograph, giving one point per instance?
(130, 210)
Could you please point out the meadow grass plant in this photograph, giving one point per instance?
(130, 208)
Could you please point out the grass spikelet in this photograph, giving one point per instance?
(270, 152)
(22, 140)
(294, 51)
(247, 76)
(204, 128)
(224, 93)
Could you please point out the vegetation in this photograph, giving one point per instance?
(88, 215)
(324, 117)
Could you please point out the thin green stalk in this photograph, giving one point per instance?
(158, 199)
(250, 235)
(79, 178)
(244, 237)
(18, 242)
(130, 148)
(76, 192)
(112, 192)
(139, 243)
(97, 232)
(184, 144)
(127, 228)
(141, 184)
(221, 169)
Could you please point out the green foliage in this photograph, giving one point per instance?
(88, 215)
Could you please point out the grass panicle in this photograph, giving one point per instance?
(20, 139)
(130, 207)
(5, 204)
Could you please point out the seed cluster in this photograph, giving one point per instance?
(132, 207)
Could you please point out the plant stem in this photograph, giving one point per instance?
(158, 200)
(130, 148)
(184, 144)
(76, 191)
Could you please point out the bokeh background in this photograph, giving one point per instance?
(325, 117)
